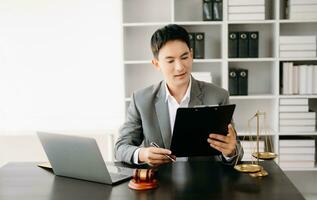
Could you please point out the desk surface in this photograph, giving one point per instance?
(180, 180)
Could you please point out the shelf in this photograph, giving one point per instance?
(145, 24)
(298, 59)
(251, 59)
(298, 96)
(298, 134)
(133, 62)
(252, 22)
(290, 21)
(299, 169)
(252, 97)
(199, 22)
(242, 133)
(207, 60)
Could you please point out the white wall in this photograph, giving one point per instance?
(60, 69)
(60, 64)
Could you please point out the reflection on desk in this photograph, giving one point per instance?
(180, 180)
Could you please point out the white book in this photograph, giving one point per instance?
(297, 150)
(245, 2)
(293, 164)
(299, 129)
(286, 78)
(299, 39)
(301, 108)
(297, 157)
(303, 102)
(297, 143)
(302, 2)
(301, 47)
(296, 80)
(302, 15)
(298, 115)
(246, 9)
(297, 122)
(309, 80)
(249, 16)
(203, 76)
(290, 77)
(302, 8)
(302, 79)
(297, 54)
(315, 79)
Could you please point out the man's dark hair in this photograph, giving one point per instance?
(168, 33)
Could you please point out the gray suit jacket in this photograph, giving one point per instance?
(148, 117)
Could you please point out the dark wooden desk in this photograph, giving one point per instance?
(181, 180)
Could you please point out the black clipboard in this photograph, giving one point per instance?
(193, 126)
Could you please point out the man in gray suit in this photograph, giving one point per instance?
(152, 110)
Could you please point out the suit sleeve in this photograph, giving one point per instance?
(130, 134)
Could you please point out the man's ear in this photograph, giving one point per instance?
(156, 64)
(191, 53)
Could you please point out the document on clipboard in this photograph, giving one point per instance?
(193, 126)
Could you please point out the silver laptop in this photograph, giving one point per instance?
(80, 157)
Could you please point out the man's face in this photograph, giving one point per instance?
(175, 62)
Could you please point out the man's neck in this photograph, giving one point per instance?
(178, 92)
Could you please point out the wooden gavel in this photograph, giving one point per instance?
(143, 179)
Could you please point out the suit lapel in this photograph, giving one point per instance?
(196, 97)
(161, 108)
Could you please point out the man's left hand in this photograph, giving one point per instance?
(225, 144)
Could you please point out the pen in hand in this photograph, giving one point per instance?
(168, 156)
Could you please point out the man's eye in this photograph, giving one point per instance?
(170, 61)
(184, 58)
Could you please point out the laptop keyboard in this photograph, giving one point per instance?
(117, 176)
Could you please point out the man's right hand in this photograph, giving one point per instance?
(154, 156)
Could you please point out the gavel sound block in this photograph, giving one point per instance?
(143, 179)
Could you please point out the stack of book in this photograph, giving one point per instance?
(297, 153)
(249, 147)
(302, 9)
(238, 81)
(295, 116)
(246, 10)
(212, 10)
(203, 76)
(197, 43)
(298, 46)
(243, 44)
(298, 79)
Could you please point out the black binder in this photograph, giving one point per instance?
(192, 42)
(254, 44)
(233, 44)
(207, 10)
(243, 82)
(233, 82)
(217, 10)
(199, 45)
(243, 45)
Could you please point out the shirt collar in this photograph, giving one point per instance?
(186, 96)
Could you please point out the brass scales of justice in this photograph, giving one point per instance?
(254, 168)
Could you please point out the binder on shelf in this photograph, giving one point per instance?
(246, 16)
(233, 44)
(298, 115)
(253, 44)
(243, 45)
(233, 82)
(217, 10)
(207, 10)
(199, 45)
(192, 42)
(286, 101)
(243, 82)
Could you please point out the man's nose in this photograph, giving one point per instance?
(179, 66)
